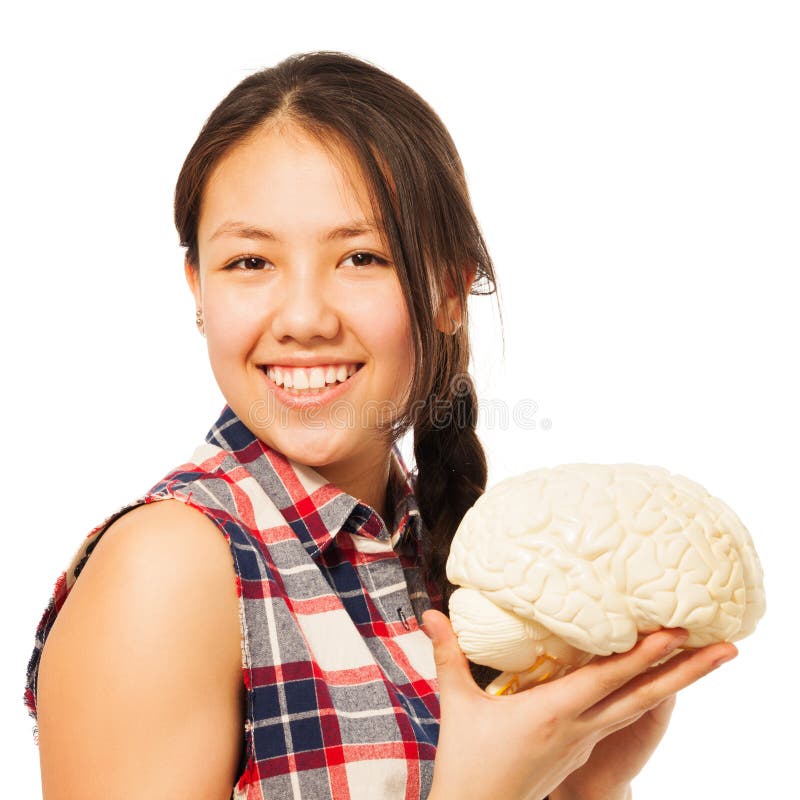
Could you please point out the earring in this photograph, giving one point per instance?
(456, 326)
(199, 321)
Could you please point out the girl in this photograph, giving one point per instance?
(330, 249)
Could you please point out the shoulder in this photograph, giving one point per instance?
(164, 553)
(162, 530)
(150, 626)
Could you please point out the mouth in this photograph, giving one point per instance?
(299, 385)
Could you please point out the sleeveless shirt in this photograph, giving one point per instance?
(342, 696)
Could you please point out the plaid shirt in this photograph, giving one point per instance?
(342, 696)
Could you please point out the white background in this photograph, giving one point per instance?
(635, 170)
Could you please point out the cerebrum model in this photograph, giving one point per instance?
(558, 565)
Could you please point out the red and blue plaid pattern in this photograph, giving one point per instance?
(342, 696)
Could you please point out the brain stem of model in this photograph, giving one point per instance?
(559, 565)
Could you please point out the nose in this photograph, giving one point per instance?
(304, 307)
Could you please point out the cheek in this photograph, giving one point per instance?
(392, 343)
(231, 327)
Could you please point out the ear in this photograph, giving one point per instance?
(452, 309)
(192, 274)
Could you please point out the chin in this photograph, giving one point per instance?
(317, 449)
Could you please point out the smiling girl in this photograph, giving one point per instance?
(252, 625)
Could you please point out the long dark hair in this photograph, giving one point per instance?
(419, 193)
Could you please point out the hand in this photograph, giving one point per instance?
(524, 746)
(619, 757)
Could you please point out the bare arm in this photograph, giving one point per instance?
(140, 692)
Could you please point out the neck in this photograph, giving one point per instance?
(366, 479)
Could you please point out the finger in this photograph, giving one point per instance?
(452, 667)
(663, 711)
(659, 714)
(653, 687)
(588, 685)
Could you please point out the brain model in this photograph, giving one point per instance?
(557, 566)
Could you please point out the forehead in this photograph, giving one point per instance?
(282, 176)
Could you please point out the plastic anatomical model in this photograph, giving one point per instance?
(559, 565)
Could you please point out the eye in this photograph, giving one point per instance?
(363, 256)
(248, 264)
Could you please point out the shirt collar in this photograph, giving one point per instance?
(315, 509)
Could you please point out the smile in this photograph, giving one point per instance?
(297, 387)
(310, 378)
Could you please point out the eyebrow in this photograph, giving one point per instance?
(244, 230)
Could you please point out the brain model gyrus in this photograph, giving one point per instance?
(559, 565)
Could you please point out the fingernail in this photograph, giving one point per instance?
(722, 660)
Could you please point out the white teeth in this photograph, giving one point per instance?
(299, 378)
(316, 378)
(312, 379)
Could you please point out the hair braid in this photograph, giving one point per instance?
(451, 475)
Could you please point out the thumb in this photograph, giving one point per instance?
(452, 667)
